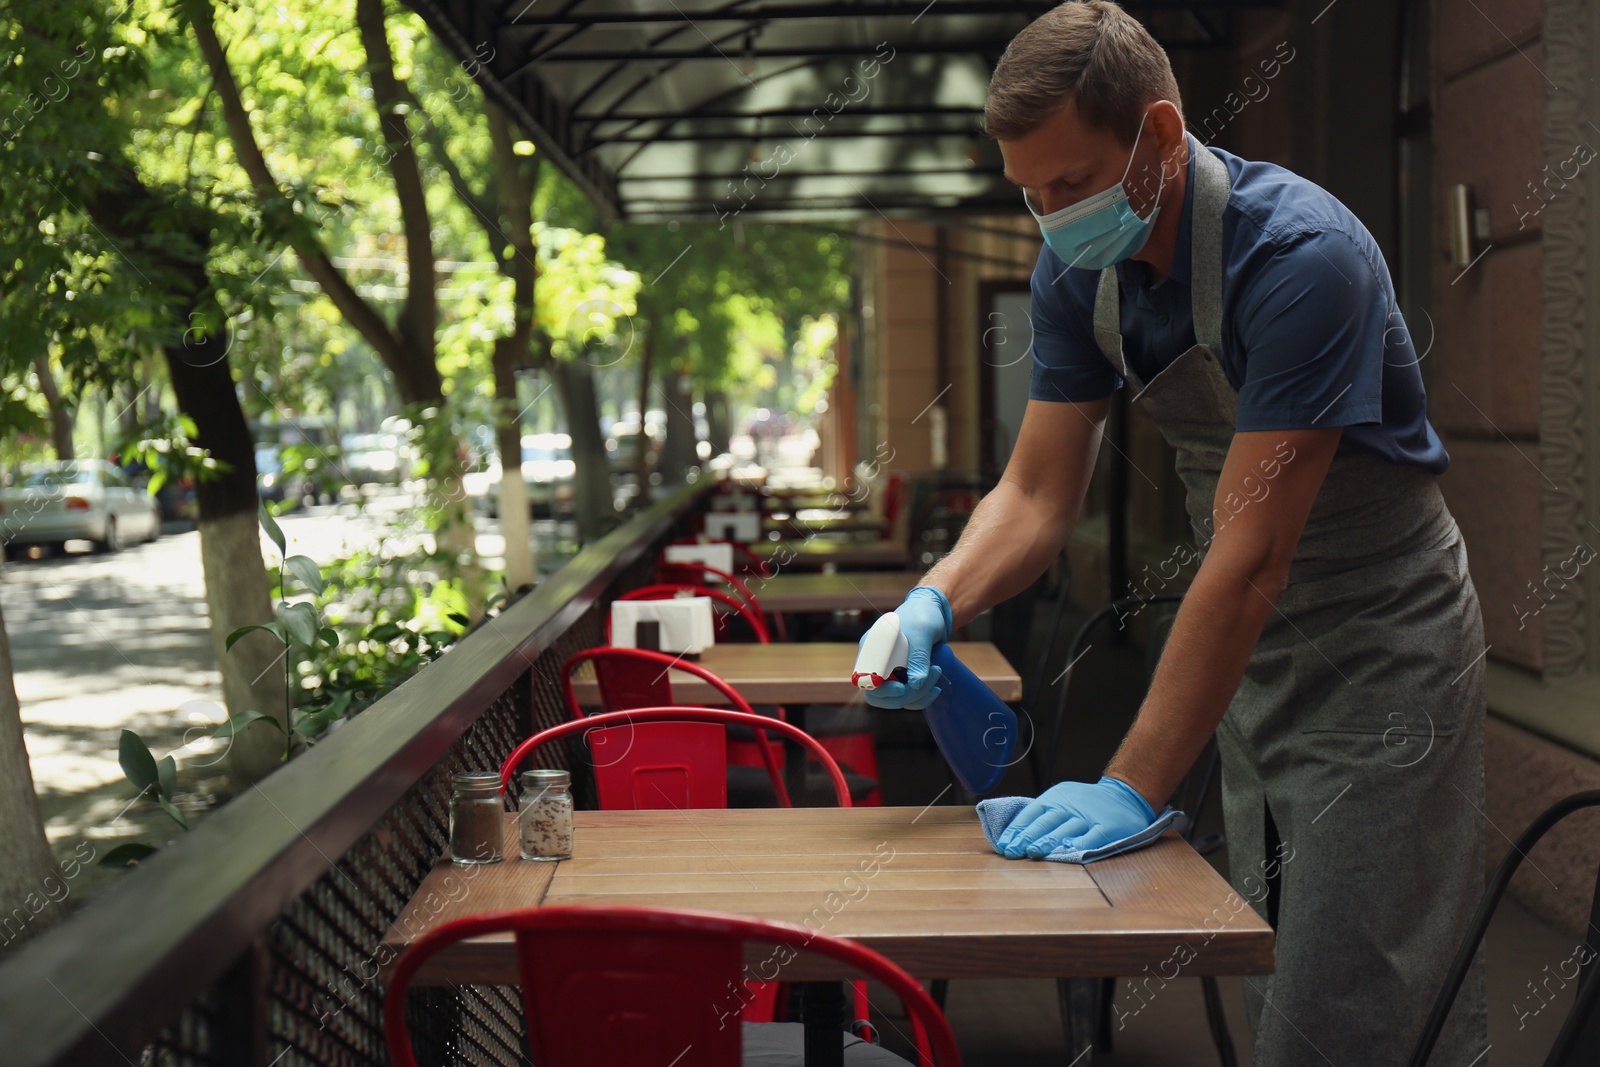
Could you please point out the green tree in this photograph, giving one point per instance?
(118, 257)
(299, 69)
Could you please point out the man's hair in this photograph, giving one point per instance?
(1088, 51)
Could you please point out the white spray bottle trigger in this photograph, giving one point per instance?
(883, 654)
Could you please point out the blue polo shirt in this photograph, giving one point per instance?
(1311, 333)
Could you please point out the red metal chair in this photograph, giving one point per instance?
(653, 758)
(696, 758)
(640, 678)
(698, 574)
(637, 678)
(842, 733)
(611, 985)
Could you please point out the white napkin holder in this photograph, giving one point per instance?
(687, 626)
(735, 502)
(741, 526)
(719, 556)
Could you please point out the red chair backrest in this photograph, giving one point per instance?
(688, 572)
(657, 765)
(697, 574)
(668, 590)
(639, 678)
(748, 561)
(610, 985)
(629, 742)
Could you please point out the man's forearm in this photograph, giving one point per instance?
(1212, 639)
(1009, 541)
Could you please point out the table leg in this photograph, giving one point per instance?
(1079, 999)
(822, 1012)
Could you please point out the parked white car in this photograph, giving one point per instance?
(89, 500)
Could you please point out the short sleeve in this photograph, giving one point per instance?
(1067, 364)
(1312, 322)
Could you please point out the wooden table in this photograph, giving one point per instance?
(816, 672)
(814, 552)
(922, 887)
(828, 501)
(811, 521)
(863, 590)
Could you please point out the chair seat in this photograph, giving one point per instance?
(784, 1045)
(749, 787)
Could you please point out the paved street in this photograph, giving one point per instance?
(106, 643)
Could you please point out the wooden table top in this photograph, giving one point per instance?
(828, 501)
(816, 551)
(813, 672)
(920, 886)
(811, 521)
(864, 590)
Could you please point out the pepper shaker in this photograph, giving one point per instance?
(544, 816)
(477, 823)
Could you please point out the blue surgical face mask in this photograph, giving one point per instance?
(1100, 230)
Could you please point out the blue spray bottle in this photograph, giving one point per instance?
(975, 730)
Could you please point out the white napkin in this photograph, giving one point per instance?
(741, 526)
(686, 623)
(719, 556)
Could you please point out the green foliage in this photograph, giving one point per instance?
(157, 779)
(722, 298)
(165, 447)
(357, 628)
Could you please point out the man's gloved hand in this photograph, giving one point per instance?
(924, 621)
(1076, 814)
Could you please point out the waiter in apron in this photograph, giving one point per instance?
(1331, 639)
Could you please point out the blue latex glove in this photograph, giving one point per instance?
(1076, 814)
(925, 620)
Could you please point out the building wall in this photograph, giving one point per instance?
(922, 303)
(1489, 101)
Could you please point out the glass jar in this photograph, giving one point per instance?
(477, 818)
(544, 816)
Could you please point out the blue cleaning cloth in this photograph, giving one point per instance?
(996, 813)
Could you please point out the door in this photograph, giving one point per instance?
(1006, 344)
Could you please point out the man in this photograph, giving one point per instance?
(1331, 638)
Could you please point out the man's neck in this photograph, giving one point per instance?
(1158, 251)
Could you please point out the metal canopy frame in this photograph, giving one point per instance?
(714, 109)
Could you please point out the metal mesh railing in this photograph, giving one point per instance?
(307, 989)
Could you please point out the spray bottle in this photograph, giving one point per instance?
(975, 730)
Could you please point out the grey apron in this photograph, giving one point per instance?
(1352, 752)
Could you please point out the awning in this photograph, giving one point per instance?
(710, 109)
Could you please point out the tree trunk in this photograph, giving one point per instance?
(717, 419)
(514, 523)
(31, 888)
(647, 362)
(237, 590)
(591, 481)
(60, 413)
(678, 453)
(513, 351)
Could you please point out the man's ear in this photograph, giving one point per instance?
(1167, 123)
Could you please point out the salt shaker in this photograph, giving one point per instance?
(477, 822)
(544, 817)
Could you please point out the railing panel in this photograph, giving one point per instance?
(296, 881)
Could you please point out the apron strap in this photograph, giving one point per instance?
(1211, 188)
(1108, 320)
